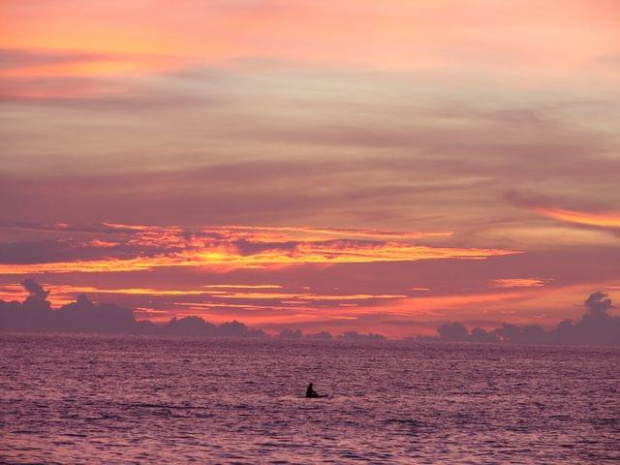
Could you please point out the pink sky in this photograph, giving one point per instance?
(377, 166)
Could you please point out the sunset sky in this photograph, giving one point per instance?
(379, 166)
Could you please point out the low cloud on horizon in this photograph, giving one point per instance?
(596, 327)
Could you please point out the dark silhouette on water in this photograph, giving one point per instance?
(311, 393)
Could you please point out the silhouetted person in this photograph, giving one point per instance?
(311, 393)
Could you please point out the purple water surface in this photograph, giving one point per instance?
(76, 399)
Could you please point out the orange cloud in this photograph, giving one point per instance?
(519, 282)
(603, 220)
(228, 248)
(280, 232)
(100, 67)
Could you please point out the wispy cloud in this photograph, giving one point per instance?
(226, 248)
(602, 220)
(551, 208)
(519, 282)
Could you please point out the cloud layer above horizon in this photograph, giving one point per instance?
(386, 166)
(596, 327)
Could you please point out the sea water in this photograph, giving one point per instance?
(82, 399)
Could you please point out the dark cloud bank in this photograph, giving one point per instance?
(36, 314)
(596, 327)
(326, 336)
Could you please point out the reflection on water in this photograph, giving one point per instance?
(79, 399)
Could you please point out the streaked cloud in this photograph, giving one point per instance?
(226, 248)
(594, 218)
(603, 220)
(519, 282)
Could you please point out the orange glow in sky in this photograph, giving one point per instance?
(274, 249)
(603, 220)
(352, 164)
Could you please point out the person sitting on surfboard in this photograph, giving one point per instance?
(311, 393)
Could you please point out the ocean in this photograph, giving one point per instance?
(86, 399)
